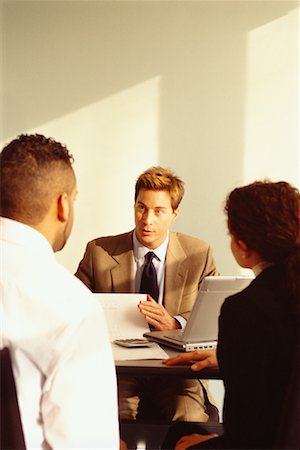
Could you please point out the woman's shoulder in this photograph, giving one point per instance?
(269, 287)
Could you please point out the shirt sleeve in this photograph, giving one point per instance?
(79, 400)
(85, 269)
(182, 321)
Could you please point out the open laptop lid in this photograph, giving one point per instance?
(201, 330)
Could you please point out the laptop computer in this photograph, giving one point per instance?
(201, 330)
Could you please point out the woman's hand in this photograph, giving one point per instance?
(199, 359)
(192, 439)
(123, 445)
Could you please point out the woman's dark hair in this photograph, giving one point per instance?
(265, 215)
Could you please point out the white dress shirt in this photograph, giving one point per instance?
(58, 339)
(159, 261)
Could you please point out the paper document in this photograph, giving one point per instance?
(124, 321)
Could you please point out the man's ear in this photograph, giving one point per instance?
(176, 212)
(63, 207)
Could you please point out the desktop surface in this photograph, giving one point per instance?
(156, 367)
(148, 367)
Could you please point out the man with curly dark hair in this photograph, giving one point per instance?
(54, 329)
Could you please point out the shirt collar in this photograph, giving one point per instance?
(140, 250)
(260, 267)
(24, 235)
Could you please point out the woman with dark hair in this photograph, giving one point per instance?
(258, 327)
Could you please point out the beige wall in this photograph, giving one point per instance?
(207, 88)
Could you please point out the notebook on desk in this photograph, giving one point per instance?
(201, 330)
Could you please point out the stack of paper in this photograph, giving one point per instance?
(124, 321)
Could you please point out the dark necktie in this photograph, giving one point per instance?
(149, 279)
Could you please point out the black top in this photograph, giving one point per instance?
(256, 352)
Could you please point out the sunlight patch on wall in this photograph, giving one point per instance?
(272, 109)
(113, 141)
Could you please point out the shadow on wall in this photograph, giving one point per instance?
(128, 84)
(61, 56)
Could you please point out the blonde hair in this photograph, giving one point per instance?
(160, 179)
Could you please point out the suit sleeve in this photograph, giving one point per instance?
(85, 269)
(210, 268)
(200, 267)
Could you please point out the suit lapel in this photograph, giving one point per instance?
(122, 270)
(175, 276)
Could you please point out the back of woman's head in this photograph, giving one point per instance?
(265, 215)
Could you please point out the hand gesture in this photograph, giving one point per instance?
(157, 315)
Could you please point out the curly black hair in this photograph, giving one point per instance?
(32, 169)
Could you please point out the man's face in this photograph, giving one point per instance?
(153, 216)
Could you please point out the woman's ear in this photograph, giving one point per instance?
(245, 250)
(243, 246)
(63, 207)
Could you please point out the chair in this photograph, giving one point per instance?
(150, 429)
(11, 431)
(148, 410)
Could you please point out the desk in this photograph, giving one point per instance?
(148, 433)
(150, 367)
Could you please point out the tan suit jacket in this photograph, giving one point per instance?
(107, 266)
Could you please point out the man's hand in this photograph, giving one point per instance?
(192, 439)
(157, 315)
(199, 359)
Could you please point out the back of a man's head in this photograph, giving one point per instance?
(33, 169)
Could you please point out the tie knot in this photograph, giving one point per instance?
(148, 257)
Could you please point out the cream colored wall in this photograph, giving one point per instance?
(207, 88)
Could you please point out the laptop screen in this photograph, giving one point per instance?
(203, 321)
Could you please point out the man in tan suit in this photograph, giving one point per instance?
(116, 263)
